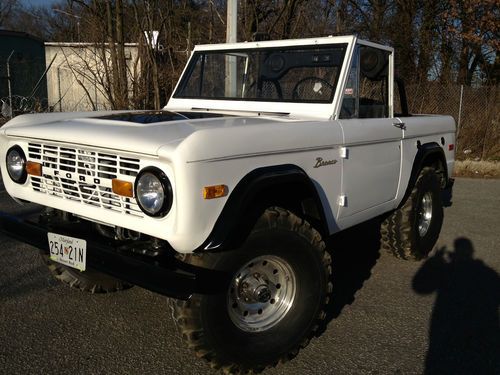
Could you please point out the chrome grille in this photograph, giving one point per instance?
(84, 175)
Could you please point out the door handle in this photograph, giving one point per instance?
(400, 125)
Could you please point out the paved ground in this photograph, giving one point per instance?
(389, 316)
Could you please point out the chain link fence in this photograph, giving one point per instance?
(476, 111)
(23, 86)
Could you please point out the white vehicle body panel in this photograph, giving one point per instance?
(371, 159)
(426, 129)
(374, 155)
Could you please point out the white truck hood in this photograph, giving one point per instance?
(142, 132)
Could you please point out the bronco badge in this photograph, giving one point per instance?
(321, 163)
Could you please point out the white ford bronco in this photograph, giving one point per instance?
(223, 199)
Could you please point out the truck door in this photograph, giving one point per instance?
(372, 137)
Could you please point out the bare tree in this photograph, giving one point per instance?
(476, 25)
(450, 41)
(6, 7)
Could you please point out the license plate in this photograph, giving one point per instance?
(69, 251)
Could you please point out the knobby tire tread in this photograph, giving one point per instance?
(396, 229)
(187, 313)
(96, 283)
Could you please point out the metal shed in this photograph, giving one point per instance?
(22, 66)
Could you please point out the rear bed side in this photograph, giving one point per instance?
(425, 135)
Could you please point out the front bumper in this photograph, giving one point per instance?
(164, 273)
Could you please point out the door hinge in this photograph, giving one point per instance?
(343, 152)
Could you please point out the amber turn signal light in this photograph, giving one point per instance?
(216, 191)
(33, 169)
(123, 188)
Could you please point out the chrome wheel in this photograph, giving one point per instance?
(425, 214)
(261, 293)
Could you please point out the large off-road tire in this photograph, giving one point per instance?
(412, 230)
(274, 304)
(87, 281)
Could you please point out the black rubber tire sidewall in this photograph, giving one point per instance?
(427, 182)
(252, 350)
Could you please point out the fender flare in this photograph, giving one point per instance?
(235, 221)
(425, 152)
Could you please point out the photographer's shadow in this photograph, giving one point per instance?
(464, 335)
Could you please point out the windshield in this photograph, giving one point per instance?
(303, 75)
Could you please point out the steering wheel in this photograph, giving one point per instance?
(312, 88)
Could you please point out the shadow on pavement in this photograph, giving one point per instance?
(354, 253)
(464, 336)
(447, 196)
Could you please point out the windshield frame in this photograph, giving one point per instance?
(265, 108)
(340, 50)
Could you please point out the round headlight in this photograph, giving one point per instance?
(16, 163)
(153, 192)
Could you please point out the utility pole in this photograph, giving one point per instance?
(232, 21)
(231, 37)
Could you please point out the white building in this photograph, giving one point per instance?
(79, 75)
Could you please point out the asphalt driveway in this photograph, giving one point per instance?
(388, 316)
